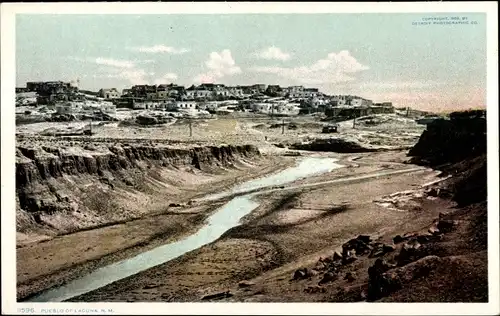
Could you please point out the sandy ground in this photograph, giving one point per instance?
(291, 228)
(275, 234)
(392, 130)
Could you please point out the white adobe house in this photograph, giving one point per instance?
(264, 108)
(222, 92)
(295, 91)
(237, 92)
(286, 109)
(67, 108)
(108, 108)
(203, 94)
(198, 94)
(280, 108)
(367, 102)
(139, 106)
(356, 102)
(186, 105)
(163, 94)
(109, 93)
(340, 100)
(212, 106)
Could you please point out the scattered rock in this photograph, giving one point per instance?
(301, 273)
(320, 265)
(433, 192)
(246, 284)
(393, 280)
(219, 295)
(349, 256)
(412, 244)
(328, 277)
(350, 276)
(336, 256)
(388, 248)
(424, 238)
(398, 239)
(445, 226)
(407, 236)
(359, 244)
(434, 230)
(377, 251)
(409, 252)
(364, 295)
(380, 249)
(364, 238)
(377, 285)
(315, 289)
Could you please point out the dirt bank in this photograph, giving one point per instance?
(67, 186)
(122, 219)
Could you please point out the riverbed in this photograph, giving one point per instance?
(225, 218)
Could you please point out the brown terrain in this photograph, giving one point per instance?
(384, 227)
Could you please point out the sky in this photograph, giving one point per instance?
(383, 57)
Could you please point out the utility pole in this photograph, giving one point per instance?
(407, 111)
(354, 122)
(91, 120)
(190, 127)
(283, 127)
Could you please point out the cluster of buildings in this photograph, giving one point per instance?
(52, 91)
(259, 98)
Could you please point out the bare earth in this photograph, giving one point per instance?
(376, 194)
(291, 228)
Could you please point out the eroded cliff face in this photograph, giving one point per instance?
(458, 148)
(461, 137)
(67, 186)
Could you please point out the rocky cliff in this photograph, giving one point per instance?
(458, 148)
(461, 137)
(93, 181)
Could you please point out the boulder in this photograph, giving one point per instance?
(445, 226)
(314, 289)
(350, 276)
(398, 239)
(349, 256)
(246, 284)
(328, 277)
(364, 238)
(300, 274)
(380, 249)
(359, 244)
(377, 285)
(434, 230)
(409, 252)
(336, 256)
(216, 296)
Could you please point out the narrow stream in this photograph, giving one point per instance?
(225, 218)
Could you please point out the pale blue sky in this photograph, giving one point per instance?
(379, 56)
